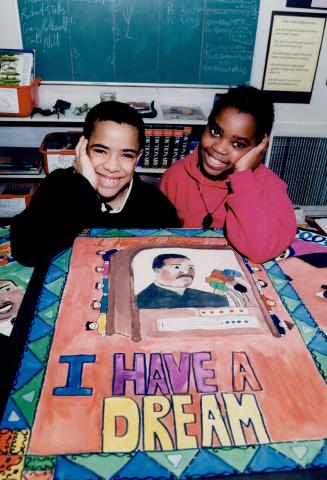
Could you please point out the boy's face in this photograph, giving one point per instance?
(113, 149)
(225, 141)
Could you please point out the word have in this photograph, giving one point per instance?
(165, 375)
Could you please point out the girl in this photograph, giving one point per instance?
(223, 183)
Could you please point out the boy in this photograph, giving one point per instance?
(100, 190)
(223, 184)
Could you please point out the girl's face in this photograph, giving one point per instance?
(113, 149)
(225, 141)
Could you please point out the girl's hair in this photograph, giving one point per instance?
(116, 112)
(247, 99)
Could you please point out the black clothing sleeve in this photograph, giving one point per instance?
(58, 212)
(65, 203)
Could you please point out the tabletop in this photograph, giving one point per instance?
(163, 393)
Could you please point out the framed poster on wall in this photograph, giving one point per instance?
(292, 56)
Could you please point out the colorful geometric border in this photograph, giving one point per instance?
(187, 464)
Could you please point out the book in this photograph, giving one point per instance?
(171, 112)
(20, 160)
(167, 140)
(183, 151)
(156, 139)
(147, 146)
(17, 67)
(178, 135)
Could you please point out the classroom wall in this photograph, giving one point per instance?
(306, 119)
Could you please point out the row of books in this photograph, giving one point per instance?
(20, 161)
(165, 144)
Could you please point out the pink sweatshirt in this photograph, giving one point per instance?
(253, 207)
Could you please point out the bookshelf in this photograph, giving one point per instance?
(17, 131)
(30, 132)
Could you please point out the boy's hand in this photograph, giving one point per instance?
(83, 163)
(252, 158)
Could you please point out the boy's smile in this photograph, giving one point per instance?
(113, 149)
(227, 140)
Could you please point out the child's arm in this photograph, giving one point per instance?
(82, 162)
(252, 159)
(260, 221)
(59, 210)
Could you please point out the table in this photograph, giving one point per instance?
(59, 353)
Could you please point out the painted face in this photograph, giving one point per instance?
(176, 272)
(11, 297)
(113, 149)
(226, 140)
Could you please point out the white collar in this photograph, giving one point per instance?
(119, 209)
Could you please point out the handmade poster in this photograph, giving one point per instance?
(114, 385)
(13, 282)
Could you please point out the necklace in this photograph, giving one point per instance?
(208, 219)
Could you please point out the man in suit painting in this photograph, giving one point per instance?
(174, 273)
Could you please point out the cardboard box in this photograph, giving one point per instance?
(58, 150)
(15, 197)
(19, 101)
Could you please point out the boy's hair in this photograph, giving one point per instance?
(248, 99)
(115, 112)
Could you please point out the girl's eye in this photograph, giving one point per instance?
(239, 145)
(214, 132)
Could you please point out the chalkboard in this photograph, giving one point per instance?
(208, 42)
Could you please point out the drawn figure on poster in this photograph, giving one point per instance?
(174, 273)
(102, 304)
(11, 296)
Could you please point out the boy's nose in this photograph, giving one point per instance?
(111, 163)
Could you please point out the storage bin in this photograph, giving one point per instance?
(19, 101)
(58, 150)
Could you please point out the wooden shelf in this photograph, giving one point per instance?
(74, 119)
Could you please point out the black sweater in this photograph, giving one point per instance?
(65, 203)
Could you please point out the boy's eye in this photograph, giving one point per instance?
(129, 155)
(99, 151)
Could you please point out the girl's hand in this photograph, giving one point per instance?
(83, 163)
(253, 157)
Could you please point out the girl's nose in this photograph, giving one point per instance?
(220, 146)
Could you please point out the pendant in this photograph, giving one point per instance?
(207, 221)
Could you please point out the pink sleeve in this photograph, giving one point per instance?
(167, 187)
(260, 221)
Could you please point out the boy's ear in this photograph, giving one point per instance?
(139, 155)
